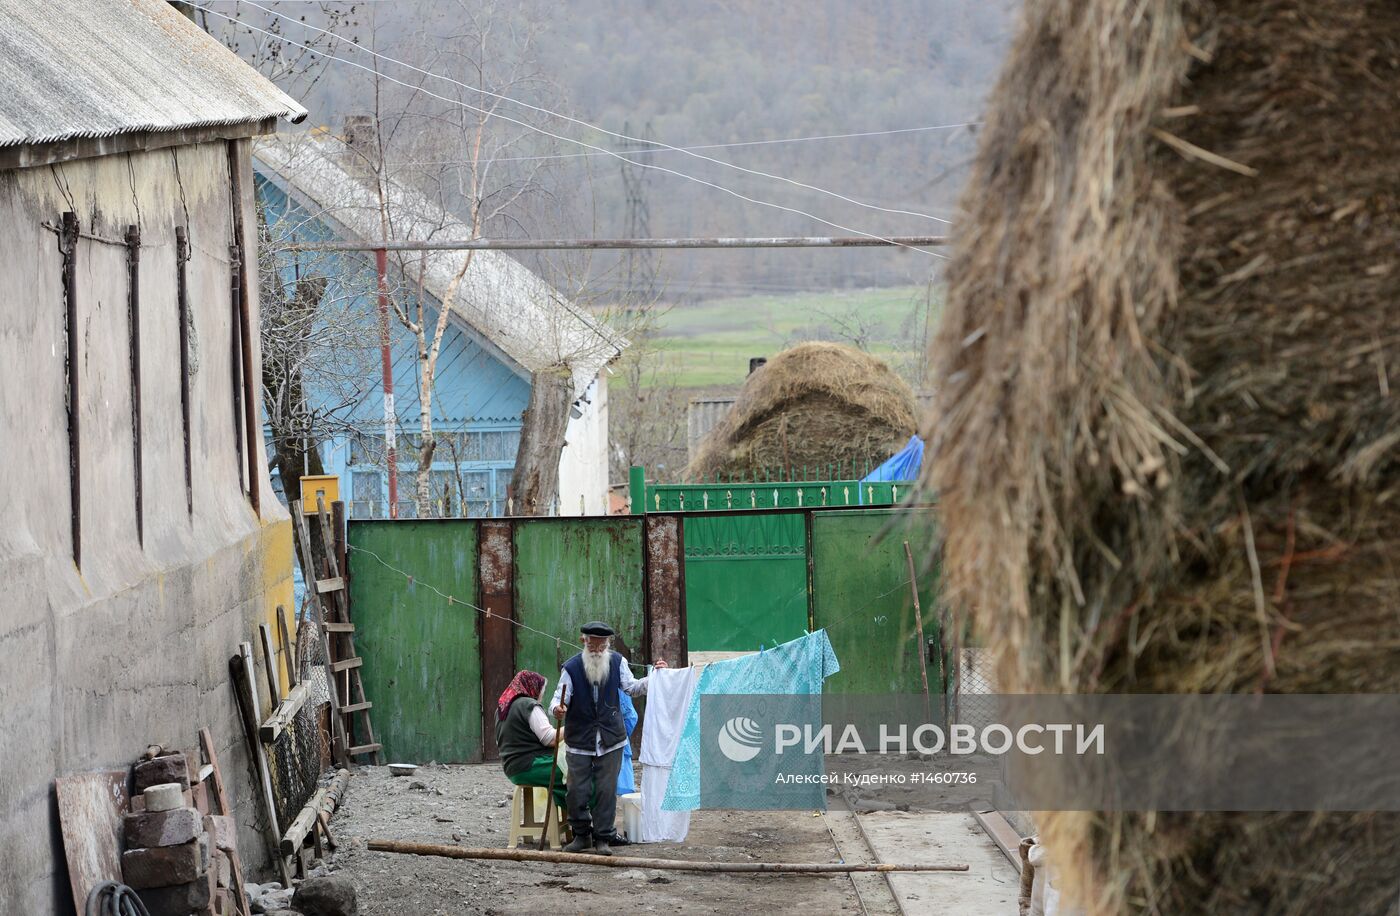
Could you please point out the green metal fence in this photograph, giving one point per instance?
(576, 570)
(861, 594)
(423, 664)
(745, 579)
(785, 488)
(717, 581)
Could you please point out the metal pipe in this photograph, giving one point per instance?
(908, 241)
(133, 313)
(182, 257)
(70, 292)
(243, 314)
(235, 257)
(381, 266)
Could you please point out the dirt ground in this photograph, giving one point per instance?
(469, 805)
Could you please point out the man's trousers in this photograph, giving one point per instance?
(589, 777)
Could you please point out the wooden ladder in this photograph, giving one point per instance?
(332, 614)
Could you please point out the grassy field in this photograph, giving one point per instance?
(708, 344)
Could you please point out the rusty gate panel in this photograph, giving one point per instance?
(665, 583)
(497, 580)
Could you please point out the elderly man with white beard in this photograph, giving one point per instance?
(587, 700)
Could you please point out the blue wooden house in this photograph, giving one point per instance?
(505, 324)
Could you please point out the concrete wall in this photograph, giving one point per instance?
(583, 464)
(131, 649)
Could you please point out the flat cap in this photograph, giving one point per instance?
(596, 628)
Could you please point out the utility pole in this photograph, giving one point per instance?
(639, 269)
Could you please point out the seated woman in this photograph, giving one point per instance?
(526, 740)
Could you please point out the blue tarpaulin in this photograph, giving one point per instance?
(903, 465)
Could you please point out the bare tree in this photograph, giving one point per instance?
(258, 37)
(464, 158)
(648, 418)
(318, 352)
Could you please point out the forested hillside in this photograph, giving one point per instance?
(740, 70)
(697, 73)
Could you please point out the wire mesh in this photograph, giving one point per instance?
(301, 753)
(972, 692)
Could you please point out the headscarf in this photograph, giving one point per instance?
(524, 684)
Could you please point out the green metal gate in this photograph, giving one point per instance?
(422, 663)
(861, 595)
(745, 580)
(581, 569)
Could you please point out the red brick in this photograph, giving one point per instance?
(162, 828)
(166, 866)
(170, 768)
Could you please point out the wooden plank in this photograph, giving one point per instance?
(346, 664)
(364, 749)
(326, 586)
(244, 679)
(295, 835)
(288, 647)
(355, 707)
(216, 778)
(629, 861)
(274, 683)
(335, 627)
(90, 807)
(1002, 833)
(283, 715)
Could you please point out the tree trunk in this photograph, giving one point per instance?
(291, 458)
(535, 485)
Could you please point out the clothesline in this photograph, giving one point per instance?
(452, 599)
(560, 641)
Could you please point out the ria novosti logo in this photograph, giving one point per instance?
(740, 739)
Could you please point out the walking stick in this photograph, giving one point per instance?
(549, 802)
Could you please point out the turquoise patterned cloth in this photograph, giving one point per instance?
(798, 667)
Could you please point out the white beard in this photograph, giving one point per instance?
(596, 665)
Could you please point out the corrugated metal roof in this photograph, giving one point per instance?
(503, 300)
(98, 68)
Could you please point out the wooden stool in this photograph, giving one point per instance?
(527, 819)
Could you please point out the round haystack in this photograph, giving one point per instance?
(1168, 448)
(816, 405)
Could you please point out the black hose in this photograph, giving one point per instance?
(111, 898)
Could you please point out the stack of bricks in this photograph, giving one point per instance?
(176, 853)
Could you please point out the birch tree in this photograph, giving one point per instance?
(451, 154)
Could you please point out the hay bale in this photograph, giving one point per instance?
(815, 404)
(1168, 451)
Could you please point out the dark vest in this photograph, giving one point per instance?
(586, 719)
(515, 739)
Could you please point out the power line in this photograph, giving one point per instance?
(595, 127)
(700, 146)
(583, 143)
(914, 242)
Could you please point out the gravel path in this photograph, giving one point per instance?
(469, 805)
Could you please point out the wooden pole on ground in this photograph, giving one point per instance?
(531, 855)
(919, 617)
